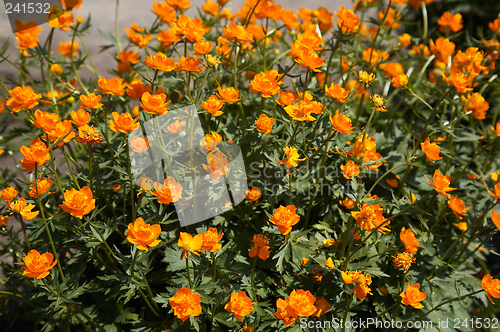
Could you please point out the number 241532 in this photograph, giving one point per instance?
(27, 8)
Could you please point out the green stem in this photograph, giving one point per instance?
(188, 273)
(451, 300)
(131, 180)
(252, 279)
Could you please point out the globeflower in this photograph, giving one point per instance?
(22, 97)
(292, 156)
(491, 286)
(160, 62)
(240, 305)
(154, 103)
(123, 123)
(450, 22)
(78, 202)
(43, 185)
(301, 303)
(34, 156)
(211, 240)
(285, 218)
(341, 123)
(253, 194)
(361, 282)
(8, 194)
(404, 260)
(229, 95)
(457, 206)
(431, 150)
(143, 235)
(213, 105)
(90, 101)
(413, 296)
(112, 86)
(237, 32)
(409, 240)
(23, 209)
(350, 169)
(260, 247)
(38, 266)
(348, 21)
(185, 304)
(440, 183)
(89, 134)
(495, 217)
(190, 244)
(80, 118)
(370, 216)
(267, 83)
(168, 192)
(337, 92)
(264, 124)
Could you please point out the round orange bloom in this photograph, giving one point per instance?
(23, 209)
(350, 169)
(306, 57)
(68, 49)
(213, 106)
(202, 47)
(137, 38)
(154, 104)
(137, 88)
(90, 101)
(165, 12)
(404, 260)
(399, 81)
(185, 304)
(476, 104)
(35, 155)
(28, 38)
(139, 144)
(361, 282)
(287, 98)
(264, 124)
(167, 38)
(440, 183)
(282, 312)
(413, 296)
(22, 97)
(322, 307)
(370, 216)
(143, 235)
(43, 185)
(190, 244)
(240, 305)
(193, 30)
(210, 141)
(457, 206)
(63, 22)
(253, 194)
(337, 92)
(4, 220)
(404, 40)
(260, 247)
(189, 64)
(285, 218)
(229, 95)
(238, 32)
(491, 286)
(217, 165)
(303, 110)
(301, 303)
(123, 123)
(89, 134)
(8, 194)
(347, 203)
(459, 80)
(176, 127)
(168, 192)
(160, 62)
(409, 240)
(38, 266)
(211, 240)
(341, 123)
(391, 69)
(80, 118)
(292, 156)
(450, 22)
(78, 202)
(443, 48)
(348, 21)
(112, 86)
(431, 150)
(179, 5)
(266, 83)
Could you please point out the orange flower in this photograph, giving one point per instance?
(391, 69)
(43, 185)
(264, 124)
(179, 5)
(404, 40)
(390, 18)
(90, 101)
(361, 282)
(213, 106)
(190, 244)
(306, 57)
(366, 78)
(112, 86)
(374, 56)
(301, 303)
(28, 38)
(185, 304)
(404, 260)
(137, 88)
(80, 118)
(210, 7)
(167, 38)
(494, 26)
(418, 3)
(123, 123)
(282, 312)
(440, 183)
(347, 203)
(285, 218)
(229, 95)
(350, 169)
(23, 209)
(266, 83)
(68, 49)
(2, 106)
(495, 217)
(253, 194)
(154, 104)
(137, 38)
(341, 123)
(202, 47)
(89, 134)
(56, 20)
(38, 266)
(4, 220)
(34, 156)
(176, 127)
(431, 150)
(217, 165)
(491, 286)
(292, 156)
(322, 307)
(139, 144)
(461, 226)
(160, 62)
(413, 296)
(450, 22)
(240, 305)
(476, 104)
(189, 64)
(8, 194)
(211, 240)
(22, 97)
(457, 205)
(165, 12)
(370, 216)
(125, 60)
(348, 21)
(443, 48)
(143, 235)
(78, 202)
(238, 33)
(399, 81)
(337, 92)
(409, 240)
(302, 111)
(260, 247)
(193, 30)
(210, 141)
(459, 80)
(287, 98)
(168, 192)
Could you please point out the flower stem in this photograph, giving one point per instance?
(188, 274)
